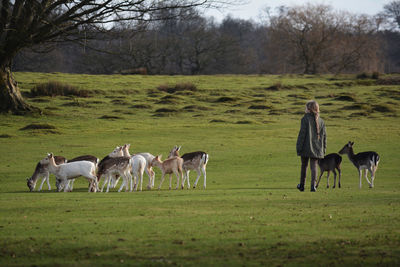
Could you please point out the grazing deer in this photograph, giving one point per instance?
(329, 163)
(364, 160)
(192, 161)
(42, 170)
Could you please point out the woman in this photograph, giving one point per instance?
(311, 143)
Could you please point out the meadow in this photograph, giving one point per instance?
(251, 213)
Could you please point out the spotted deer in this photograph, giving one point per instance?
(192, 161)
(367, 161)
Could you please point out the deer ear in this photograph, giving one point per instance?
(159, 156)
(352, 143)
(179, 148)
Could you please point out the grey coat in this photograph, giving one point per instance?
(308, 144)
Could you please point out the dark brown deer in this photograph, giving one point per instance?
(329, 163)
(364, 160)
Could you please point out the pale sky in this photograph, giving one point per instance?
(252, 9)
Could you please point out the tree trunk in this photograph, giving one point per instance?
(11, 99)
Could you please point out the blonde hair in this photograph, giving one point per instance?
(313, 107)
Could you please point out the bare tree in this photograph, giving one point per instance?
(26, 23)
(314, 39)
(392, 10)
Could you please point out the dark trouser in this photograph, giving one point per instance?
(313, 167)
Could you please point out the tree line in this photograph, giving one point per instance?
(306, 39)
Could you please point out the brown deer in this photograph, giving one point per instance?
(329, 163)
(169, 166)
(192, 161)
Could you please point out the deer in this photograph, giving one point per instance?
(67, 171)
(329, 163)
(192, 161)
(138, 165)
(113, 165)
(42, 170)
(89, 158)
(169, 166)
(364, 160)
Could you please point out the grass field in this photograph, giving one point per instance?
(251, 212)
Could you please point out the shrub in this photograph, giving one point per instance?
(54, 88)
(375, 75)
(362, 75)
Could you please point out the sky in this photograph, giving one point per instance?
(251, 10)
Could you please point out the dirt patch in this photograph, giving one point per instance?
(195, 108)
(110, 117)
(225, 99)
(245, 122)
(166, 110)
(141, 106)
(346, 97)
(217, 121)
(38, 126)
(383, 108)
(259, 107)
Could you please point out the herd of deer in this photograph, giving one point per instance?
(120, 163)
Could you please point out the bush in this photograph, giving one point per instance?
(362, 75)
(54, 88)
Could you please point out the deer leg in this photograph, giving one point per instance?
(115, 180)
(162, 180)
(186, 176)
(141, 180)
(319, 178)
(104, 183)
(203, 169)
(47, 180)
(177, 179)
(199, 170)
(71, 184)
(170, 181)
(43, 180)
(373, 174)
(371, 184)
(152, 174)
(125, 183)
(334, 178)
(65, 185)
(366, 176)
(360, 175)
(198, 177)
(149, 175)
(340, 175)
(108, 180)
(327, 179)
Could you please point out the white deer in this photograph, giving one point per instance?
(138, 165)
(364, 160)
(67, 171)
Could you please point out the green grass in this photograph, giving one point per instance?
(250, 213)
